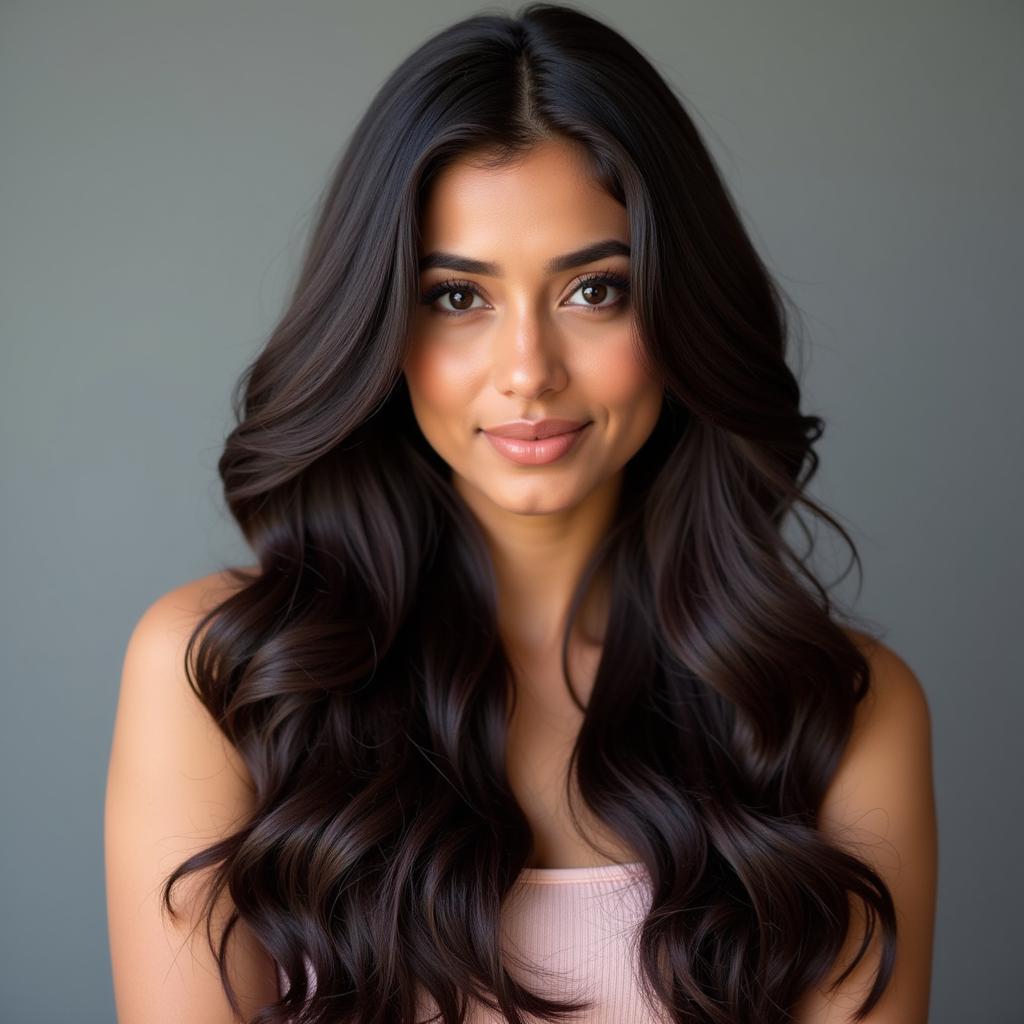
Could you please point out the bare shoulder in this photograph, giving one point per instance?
(886, 767)
(176, 613)
(157, 703)
(880, 805)
(174, 786)
(896, 702)
(889, 670)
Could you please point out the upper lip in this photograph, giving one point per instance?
(535, 430)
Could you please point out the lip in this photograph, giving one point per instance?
(535, 430)
(537, 452)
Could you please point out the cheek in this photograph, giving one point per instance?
(620, 379)
(439, 381)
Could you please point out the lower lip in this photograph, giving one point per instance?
(536, 453)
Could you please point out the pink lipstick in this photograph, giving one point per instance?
(536, 443)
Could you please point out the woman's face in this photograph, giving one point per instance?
(523, 336)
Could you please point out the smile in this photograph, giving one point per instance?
(536, 453)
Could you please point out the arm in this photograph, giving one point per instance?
(174, 785)
(881, 807)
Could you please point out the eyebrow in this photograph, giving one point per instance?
(589, 253)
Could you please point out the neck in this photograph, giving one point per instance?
(539, 560)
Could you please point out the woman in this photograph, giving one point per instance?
(527, 706)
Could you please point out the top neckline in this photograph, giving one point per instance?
(581, 874)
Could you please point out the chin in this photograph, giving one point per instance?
(535, 499)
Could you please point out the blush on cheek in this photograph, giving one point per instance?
(620, 378)
(446, 377)
(442, 390)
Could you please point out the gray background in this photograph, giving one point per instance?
(158, 166)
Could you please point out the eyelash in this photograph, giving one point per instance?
(601, 276)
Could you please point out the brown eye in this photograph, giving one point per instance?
(460, 298)
(460, 295)
(594, 290)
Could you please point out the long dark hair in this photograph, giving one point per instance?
(360, 672)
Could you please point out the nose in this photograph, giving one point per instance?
(527, 355)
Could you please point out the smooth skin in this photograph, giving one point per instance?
(524, 349)
(174, 785)
(532, 344)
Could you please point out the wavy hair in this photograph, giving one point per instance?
(359, 671)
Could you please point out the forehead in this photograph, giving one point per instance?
(546, 200)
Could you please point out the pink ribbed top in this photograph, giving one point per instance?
(581, 924)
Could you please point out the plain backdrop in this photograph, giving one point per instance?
(158, 166)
